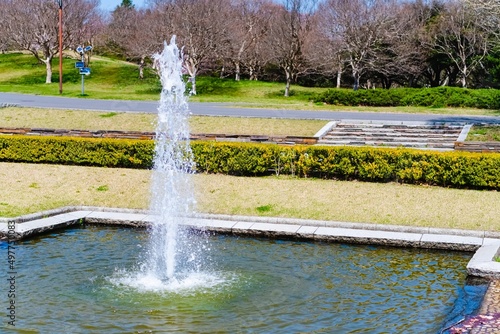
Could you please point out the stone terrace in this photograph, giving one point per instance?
(423, 135)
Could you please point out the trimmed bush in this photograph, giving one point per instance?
(426, 97)
(448, 169)
(77, 151)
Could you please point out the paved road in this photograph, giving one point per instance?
(224, 109)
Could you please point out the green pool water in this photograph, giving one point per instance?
(86, 280)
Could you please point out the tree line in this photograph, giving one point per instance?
(336, 43)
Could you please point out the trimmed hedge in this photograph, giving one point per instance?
(77, 151)
(426, 97)
(448, 169)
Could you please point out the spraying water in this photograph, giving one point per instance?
(177, 258)
(172, 195)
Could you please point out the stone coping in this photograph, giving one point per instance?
(485, 244)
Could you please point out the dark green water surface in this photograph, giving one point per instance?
(83, 280)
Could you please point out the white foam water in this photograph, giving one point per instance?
(175, 257)
(172, 194)
(193, 282)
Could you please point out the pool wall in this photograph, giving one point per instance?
(485, 244)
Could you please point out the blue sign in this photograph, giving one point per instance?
(84, 71)
(79, 64)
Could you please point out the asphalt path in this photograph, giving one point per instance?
(226, 109)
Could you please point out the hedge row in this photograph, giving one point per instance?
(77, 151)
(450, 169)
(426, 97)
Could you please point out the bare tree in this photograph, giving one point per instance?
(201, 27)
(363, 27)
(399, 56)
(135, 34)
(487, 10)
(290, 28)
(330, 59)
(249, 24)
(460, 35)
(4, 40)
(32, 25)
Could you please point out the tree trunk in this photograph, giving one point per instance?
(192, 69)
(288, 82)
(141, 68)
(356, 77)
(48, 67)
(446, 81)
(463, 78)
(252, 73)
(237, 71)
(339, 76)
(193, 84)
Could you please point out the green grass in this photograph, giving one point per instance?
(115, 79)
(389, 203)
(94, 120)
(484, 133)
(110, 79)
(109, 114)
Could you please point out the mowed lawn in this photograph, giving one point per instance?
(16, 117)
(30, 188)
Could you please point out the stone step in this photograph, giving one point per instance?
(389, 138)
(447, 145)
(382, 130)
(440, 136)
(399, 126)
(387, 135)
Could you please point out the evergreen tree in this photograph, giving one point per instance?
(127, 4)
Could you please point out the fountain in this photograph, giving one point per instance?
(172, 195)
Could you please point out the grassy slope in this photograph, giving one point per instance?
(113, 79)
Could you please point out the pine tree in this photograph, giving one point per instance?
(127, 4)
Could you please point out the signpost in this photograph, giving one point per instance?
(85, 71)
(81, 65)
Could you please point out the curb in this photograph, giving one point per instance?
(485, 244)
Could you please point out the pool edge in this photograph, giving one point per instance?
(484, 244)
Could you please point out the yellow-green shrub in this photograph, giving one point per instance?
(450, 169)
(77, 151)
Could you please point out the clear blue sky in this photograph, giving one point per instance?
(109, 5)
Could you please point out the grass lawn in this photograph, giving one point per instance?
(484, 133)
(94, 120)
(115, 79)
(30, 188)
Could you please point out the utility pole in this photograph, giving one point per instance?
(60, 2)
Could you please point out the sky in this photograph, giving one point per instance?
(109, 5)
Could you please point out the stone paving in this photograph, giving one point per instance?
(490, 309)
(488, 319)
